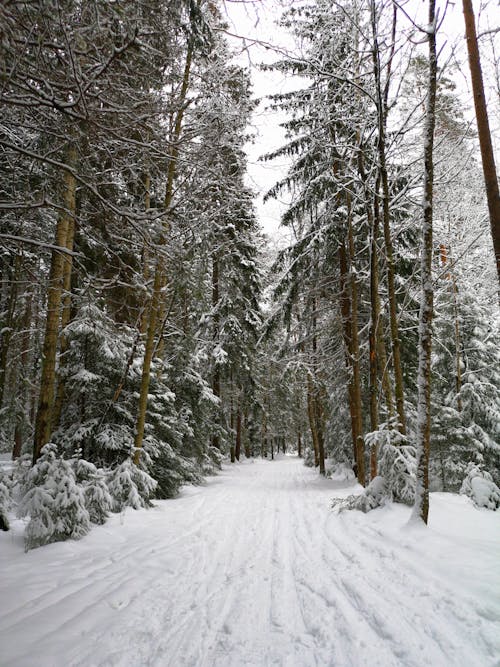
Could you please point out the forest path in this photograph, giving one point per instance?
(253, 568)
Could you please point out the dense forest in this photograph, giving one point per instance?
(149, 334)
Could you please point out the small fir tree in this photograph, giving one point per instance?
(129, 486)
(53, 501)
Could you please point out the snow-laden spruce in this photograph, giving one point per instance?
(53, 501)
(98, 500)
(130, 486)
(480, 487)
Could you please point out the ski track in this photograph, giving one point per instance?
(251, 570)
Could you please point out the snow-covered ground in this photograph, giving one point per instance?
(255, 569)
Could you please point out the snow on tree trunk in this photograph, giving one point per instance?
(421, 506)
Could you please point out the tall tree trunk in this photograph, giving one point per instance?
(450, 276)
(373, 335)
(421, 507)
(248, 441)
(22, 394)
(43, 423)
(360, 444)
(216, 379)
(458, 346)
(317, 406)
(311, 413)
(345, 311)
(483, 130)
(65, 319)
(299, 444)
(146, 273)
(146, 364)
(381, 100)
(159, 275)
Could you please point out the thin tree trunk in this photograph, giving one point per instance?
(216, 379)
(22, 380)
(232, 447)
(248, 443)
(319, 417)
(381, 100)
(43, 421)
(311, 413)
(299, 444)
(345, 311)
(373, 334)
(146, 365)
(458, 345)
(317, 407)
(483, 130)
(360, 445)
(237, 452)
(421, 507)
(146, 273)
(8, 324)
(263, 441)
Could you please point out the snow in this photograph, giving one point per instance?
(254, 569)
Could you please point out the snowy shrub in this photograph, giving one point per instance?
(53, 501)
(375, 495)
(98, 500)
(341, 472)
(480, 487)
(16, 480)
(212, 460)
(130, 486)
(309, 458)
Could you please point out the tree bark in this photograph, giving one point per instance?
(8, 324)
(65, 319)
(421, 507)
(43, 422)
(483, 130)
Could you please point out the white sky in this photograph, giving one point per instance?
(255, 23)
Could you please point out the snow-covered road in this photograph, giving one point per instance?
(253, 568)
